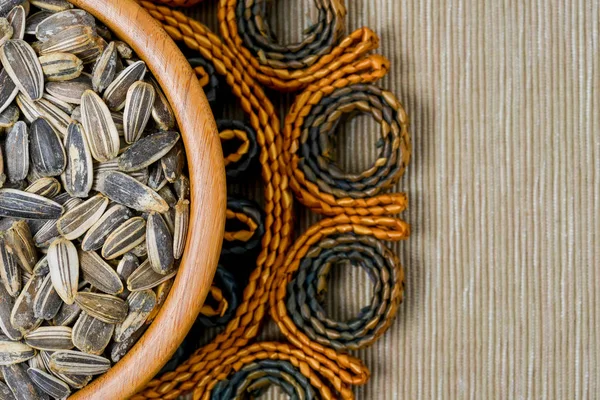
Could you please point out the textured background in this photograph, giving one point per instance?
(503, 268)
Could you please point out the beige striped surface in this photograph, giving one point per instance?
(503, 268)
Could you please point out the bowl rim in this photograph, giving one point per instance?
(150, 41)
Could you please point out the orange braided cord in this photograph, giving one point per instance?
(220, 303)
(178, 3)
(235, 134)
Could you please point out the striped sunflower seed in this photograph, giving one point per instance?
(52, 5)
(105, 68)
(167, 194)
(7, 303)
(61, 66)
(9, 270)
(125, 268)
(20, 384)
(36, 362)
(17, 18)
(47, 186)
(24, 68)
(128, 235)
(9, 117)
(173, 163)
(96, 236)
(54, 115)
(74, 40)
(6, 30)
(146, 278)
(7, 5)
(100, 130)
(138, 108)
(47, 302)
(49, 384)
(28, 108)
(19, 204)
(55, 23)
(140, 250)
(125, 190)
(22, 316)
(162, 292)
(118, 119)
(160, 244)
(95, 49)
(79, 173)
(140, 305)
(123, 49)
(34, 20)
(64, 269)
(92, 335)
(14, 352)
(62, 105)
(19, 238)
(156, 176)
(76, 362)
(50, 338)
(105, 307)
(116, 93)
(76, 222)
(46, 149)
(182, 187)
(17, 152)
(70, 91)
(182, 222)
(147, 150)
(118, 350)
(76, 114)
(8, 90)
(162, 113)
(97, 272)
(67, 314)
(49, 231)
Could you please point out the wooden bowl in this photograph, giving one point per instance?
(136, 27)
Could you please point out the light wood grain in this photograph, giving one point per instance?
(208, 198)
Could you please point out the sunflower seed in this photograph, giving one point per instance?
(160, 244)
(62, 105)
(7, 303)
(46, 149)
(74, 381)
(95, 49)
(173, 162)
(91, 335)
(57, 22)
(49, 232)
(123, 49)
(167, 194)
(47, 186)
(34, 20)
(99, 128)
(156, 176)
(22, 65)
(97, 272)
(9, 270)
(78, 175)
(61, 66)
(76, 362)
(182, 187)
(54, 115)
(147, 150)
(76, 114)
(128, 235)
(138, 108)
(52, 5)
(19, 204)
(6, 30)
(22, 316)
(110, 220)
(106, 308)
(162, 113)
(7, 5)
(41, 268)
(49, 384)
(64, 269)
(116, 93)
(75, 39)
(17, 18)
(76, 222)
(140, 250)
(125, 268)
(162, 292)
(36, 362)
(9, 117)
(70, 91)
(17, 152)
(8, 90)
(67, 314)
(20, 384)
(146, 278)
(125, 190)
(118, 350)
(19, 238)
(50, 338)
(105, 68)
(182, 220)
(47, 302)
(14, 352)
(140, 305)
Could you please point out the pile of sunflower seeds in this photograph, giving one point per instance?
(94, 200)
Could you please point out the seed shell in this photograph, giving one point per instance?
(50, 338)
(116, 93)
(46, 186)
(97, 272)
(7, 5)
(118, 350)
(75, 223)
(100, 130)
(20, 384)
(162, 291)
(92, 335)
(125, 190)
(47, 302)
(17, 18)
(67, 314)
(28, 108)
(46, 149)
(162, 113)
(59, 119)
(60, 104)
(7, 303)
(64, 269)
(96, 236)
(8, 90)
(160, 244)
(22, 316)
(61, 66)
(74, 39)
(140, 305)
(105, 307)
(138, 109)
(49, 231)
(70, 91)
(57, 22)
(9, 270)
(105, 68)
(156, 177)
(128, 235)
(19, 204)
(34, 20)
(48, 383)
(76, 362)
(14, 352)
(24, 68)
(146, 278)
(79, 173)
(147, 150)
